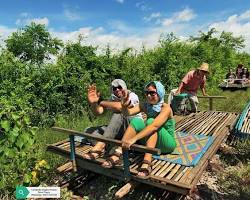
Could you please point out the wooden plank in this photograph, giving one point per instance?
(198, 128)
(173, 171)
(185, 176)
(177, 178)
(197, 121)
(218, 121)
(61, 142)
(159, 166)
(139, 148)
(65, 167)
(125, 189)
(162, 169)
(167, 170)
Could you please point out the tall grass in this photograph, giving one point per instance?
(235, 100)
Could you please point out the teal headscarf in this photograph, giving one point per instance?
(160, 90)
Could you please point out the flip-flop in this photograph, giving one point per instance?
(146, 170)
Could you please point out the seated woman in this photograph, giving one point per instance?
(156, 131)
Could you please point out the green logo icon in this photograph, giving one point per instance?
(21, 192)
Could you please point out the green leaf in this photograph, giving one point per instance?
(12, 138)
(9, 153)
(15, 116)
(27, 178)
(6, 125)
(26, 120)
(20, 143)
(33, 130)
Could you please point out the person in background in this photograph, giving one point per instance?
(118, 122)
(245, 74)
(191, 83)
(230, 76)
(157, 131)
(239, 71)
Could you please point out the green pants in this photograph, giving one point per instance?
(165, 134)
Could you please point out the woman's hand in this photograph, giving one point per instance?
(144, 116)
(126, 144)
(93, 95)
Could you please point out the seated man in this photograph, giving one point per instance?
(191, 82)
(118, 123)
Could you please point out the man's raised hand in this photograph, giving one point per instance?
(93, 95)
(125, 101)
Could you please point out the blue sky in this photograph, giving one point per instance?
(123, 23)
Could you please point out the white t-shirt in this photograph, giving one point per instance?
(134, 101)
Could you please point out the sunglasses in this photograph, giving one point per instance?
(118, 87)
(151, 93)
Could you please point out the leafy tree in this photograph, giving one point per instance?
(33, 43)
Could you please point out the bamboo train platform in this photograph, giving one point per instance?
(242, 127)
(227, 84)
(165, 175)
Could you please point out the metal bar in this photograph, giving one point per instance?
(212, 97)
(72, 152)
(127, 174)
(139, 148)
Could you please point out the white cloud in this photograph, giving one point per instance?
(185, 15)
(120, 1)
(238, 25)
(120, 26)
(72, 15)
(44, 21)
(25, 20)
(152, 16)
(24, 14)
(245, 15)
(167, 22)
(179, 17)
(123, 35)
(142, 6)
(4, 33)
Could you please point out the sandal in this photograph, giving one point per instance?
(113, 163)
(146, 170)
(90, 155)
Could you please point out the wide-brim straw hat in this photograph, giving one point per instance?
(204, 67)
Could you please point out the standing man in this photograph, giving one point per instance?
(191, 83)
(118, 123)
